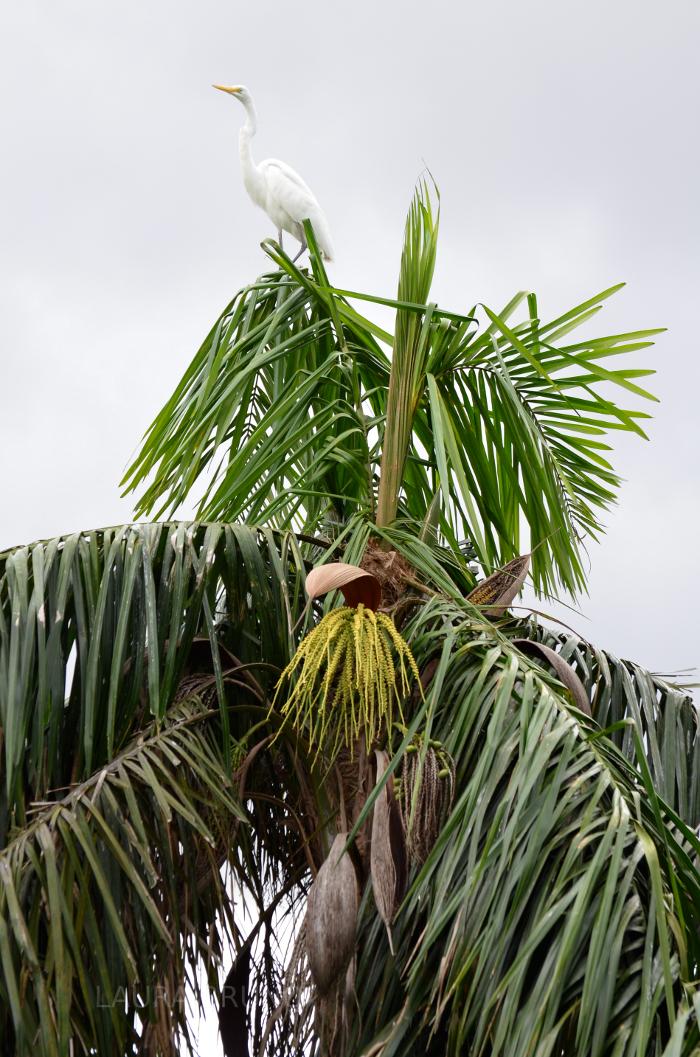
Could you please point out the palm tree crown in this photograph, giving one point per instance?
(432, 828)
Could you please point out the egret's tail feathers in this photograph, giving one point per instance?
(322, 236)
(325, 245)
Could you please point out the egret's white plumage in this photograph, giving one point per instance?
(276, 187)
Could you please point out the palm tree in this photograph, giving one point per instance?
(523, 823)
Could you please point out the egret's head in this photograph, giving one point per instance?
(238, 91)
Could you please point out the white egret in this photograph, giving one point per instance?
(276, 187)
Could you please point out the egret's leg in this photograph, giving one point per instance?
(279, 237)
(303, 247)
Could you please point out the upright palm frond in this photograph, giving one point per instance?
(520, 429)
(412, 343)
(272, 406)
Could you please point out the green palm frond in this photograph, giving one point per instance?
(520, 427)
(112, 896)
(119, 788)
(300, 412)
(98, 629)
(271, 403)
(639, 709)
(412, 343)
(150, 778)
(557, 912)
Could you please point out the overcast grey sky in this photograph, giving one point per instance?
(564, 138)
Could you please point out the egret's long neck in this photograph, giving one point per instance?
(254, 182)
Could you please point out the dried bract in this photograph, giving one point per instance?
(357, 585)
(497, 591)
(331, 917)
(387, 850)
(564, 672)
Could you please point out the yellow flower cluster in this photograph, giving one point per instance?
(346, 681)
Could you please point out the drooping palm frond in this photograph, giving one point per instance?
(639, 710)
(557, 840)
(299, 411)
(120, 795)
(520, 429)
(98, 629)
(112, 897)
(558, 911)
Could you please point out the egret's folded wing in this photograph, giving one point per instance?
(281, 168)
(289, 190)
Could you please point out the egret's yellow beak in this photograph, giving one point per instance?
(234, 90)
